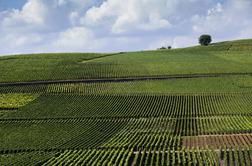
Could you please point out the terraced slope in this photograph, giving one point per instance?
(185, 121)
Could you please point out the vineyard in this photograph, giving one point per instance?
(233, 57)
(184, 121)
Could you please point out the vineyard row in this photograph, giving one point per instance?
(137, 133)
(154, 157)
(175, 106)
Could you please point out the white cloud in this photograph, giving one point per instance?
(131, 15)
(114, 25)
(33, 13)
(126, 23)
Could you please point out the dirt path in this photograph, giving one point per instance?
(122, 79)
(100, 57)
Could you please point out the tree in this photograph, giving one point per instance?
(169, 47)
(205, 40)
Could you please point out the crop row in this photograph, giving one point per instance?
(61, 67)
(196, 85)
(26, 158)
(138, 133)
(167, 133)
(179, 105)
(181, 126)
(23, 89)
(73, 70)
(129, 156)
(89, 133)
(198, 156)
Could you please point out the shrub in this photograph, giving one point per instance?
(162, 48)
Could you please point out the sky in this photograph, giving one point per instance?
(38, 26)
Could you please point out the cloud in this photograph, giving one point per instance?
(227, 20)
(133, 15)
(113, 25)
(126, 23)
(42, 24)
(32, 15)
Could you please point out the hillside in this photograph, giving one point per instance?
(165, 107)
(227, 57)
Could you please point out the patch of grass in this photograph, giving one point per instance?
(16, 100)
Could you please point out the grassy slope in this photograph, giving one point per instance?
(218, 58)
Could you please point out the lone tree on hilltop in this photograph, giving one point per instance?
(205, 40)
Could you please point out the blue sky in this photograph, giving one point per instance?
(9, 4)
(32, 26)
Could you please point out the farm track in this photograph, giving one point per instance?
(122, 79)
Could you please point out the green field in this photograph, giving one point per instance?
(204, 120)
